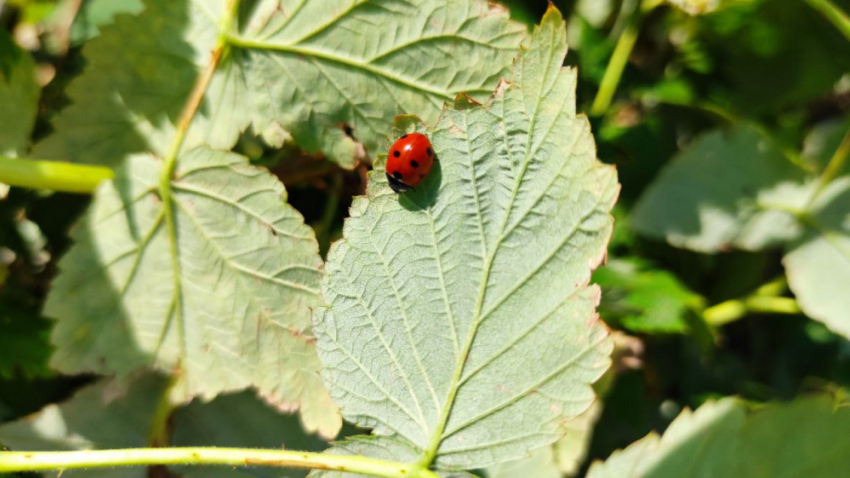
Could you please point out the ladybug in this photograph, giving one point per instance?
(409, 161)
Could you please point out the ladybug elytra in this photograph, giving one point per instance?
(409, 161)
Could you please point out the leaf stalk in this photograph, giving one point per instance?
(622, 52)
(53, 175)
(833, 14)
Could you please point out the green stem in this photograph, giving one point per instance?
(620, 57)
(832, 169)
(68, 460)
(832, 13)
(732, 310)
(160, 435)
(54, 175)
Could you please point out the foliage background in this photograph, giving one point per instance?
(691, 330)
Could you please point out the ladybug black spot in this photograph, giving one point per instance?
(397, 174)
(405, 136)
(421, 176)
(414, 163)
(396, 153)
(429, 151)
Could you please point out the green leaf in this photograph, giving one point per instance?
(460, 319)
(309, 68)
(807, 437)
(571, 450)
(24, 340)
(239, 420)
(19, 93)
(98, 416)
(222, 299)
(541, 464)
(562, 459)
(728, 189)
(95, 14)
(818, 264)
(644, 299)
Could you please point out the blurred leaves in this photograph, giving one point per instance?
(98, 416)
(728, 438)
(644, 299)
(107, 415)
(728, 189)
(19, 94)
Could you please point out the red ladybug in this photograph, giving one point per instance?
(409, 161)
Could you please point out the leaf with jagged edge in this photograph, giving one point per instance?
(728, 189)
(807, 437)
(99, 416)
(459, 319)
(222, 300)
(19, 93)
(309, 68)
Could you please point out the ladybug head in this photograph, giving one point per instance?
(397, 185)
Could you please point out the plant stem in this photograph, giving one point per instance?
(833, 168)
(620, 57)
(54, 175)
(832, 13)
(67, 460)
(732, 310)
(160, 434)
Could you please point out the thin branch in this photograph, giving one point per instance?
(54, 175)
(68, 460)
(832, 13)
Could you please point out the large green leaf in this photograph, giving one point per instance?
(309, 68)
(19, 94)
(728, 189)
(98, 416)
(222, 300)
(807, 437)
(459, 316)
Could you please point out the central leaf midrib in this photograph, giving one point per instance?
(431, 452)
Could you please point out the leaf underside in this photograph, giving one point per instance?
(223, 298)
(312, 69)
(459, 315)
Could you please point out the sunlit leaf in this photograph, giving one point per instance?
(728, 189)
(807, 437)
(818, 264)
(309, 68)
(460, 319)
(222, 299)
